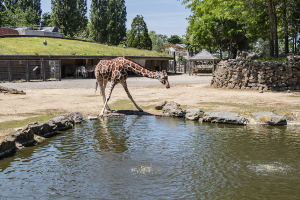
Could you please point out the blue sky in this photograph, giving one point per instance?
(166, 17)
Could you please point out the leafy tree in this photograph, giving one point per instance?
(99, 20)
(69, 16)
(159, 41)
(46, 19)
(81, 17)
(174, 39)
(138, 36)
(116, 27)
(11, 10)
(254, 15)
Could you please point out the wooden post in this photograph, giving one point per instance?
(9, 71)
(184, 70)
(59, 69)
(189, 68)
(174, 63)
(43, 70)
(27, 71)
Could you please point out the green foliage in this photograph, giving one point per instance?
(99, 20)
(237, 24)
(138, 36)
(69, 15)
(116, 27)
(159, 42)
(181, 58)
(46, 19)
(19, 15)
(174, 39)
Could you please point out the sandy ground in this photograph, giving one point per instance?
(190, 91)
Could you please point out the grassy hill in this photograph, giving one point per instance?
(58, 46)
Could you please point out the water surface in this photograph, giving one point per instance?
(157, 158)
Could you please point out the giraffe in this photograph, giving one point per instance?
(115, 71)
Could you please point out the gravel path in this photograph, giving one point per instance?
(132, 81)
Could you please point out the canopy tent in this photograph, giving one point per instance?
(204, 55)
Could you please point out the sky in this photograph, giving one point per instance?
(166, 17)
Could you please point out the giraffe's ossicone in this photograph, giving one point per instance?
(115, 71)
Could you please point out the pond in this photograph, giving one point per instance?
(149, 157)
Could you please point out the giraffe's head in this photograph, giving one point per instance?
(163, 78)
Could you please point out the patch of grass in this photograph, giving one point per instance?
(59, 46)
(122, 105)
(52, 79)
(269, 58)
(246, 109)
(39, 117)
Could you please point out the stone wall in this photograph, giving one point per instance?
(256, 75)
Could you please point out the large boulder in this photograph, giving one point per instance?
(225, 118)
(269, 118)
(292, 118)
(74, 117)
(25, 137)
(194, 114)
(7, 146)
(172, 108)
(160, 106)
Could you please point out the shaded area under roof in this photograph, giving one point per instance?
(204, 55)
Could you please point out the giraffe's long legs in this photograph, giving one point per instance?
(104, 98)
(124, 84)
(112, 85)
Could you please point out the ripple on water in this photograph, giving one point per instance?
(270, 168)
(144, 170)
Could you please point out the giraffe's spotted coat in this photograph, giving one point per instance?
(115, 71)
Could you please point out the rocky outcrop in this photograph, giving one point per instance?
(292, 118)
(172, 109)
(269, 118)
(194, 114)
(225, 118)
(27, 135)
(7, 146)
(255, 75)
(160, 106)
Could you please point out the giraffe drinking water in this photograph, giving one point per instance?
(115, 71)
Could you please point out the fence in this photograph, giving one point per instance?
(29, 70)
(189, 67)
(181, 66)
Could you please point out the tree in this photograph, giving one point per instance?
(29, 10)
(69, 16)
(116, 27)
(81, 18)
(159, 41)
(46, 19)
(138, 36)
(99, 20)
(174, 39)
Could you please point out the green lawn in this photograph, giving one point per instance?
(58, 46)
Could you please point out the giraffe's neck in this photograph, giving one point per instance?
(140, 70)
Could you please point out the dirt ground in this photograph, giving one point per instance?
(189, 91)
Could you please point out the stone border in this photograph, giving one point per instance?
(33, 133)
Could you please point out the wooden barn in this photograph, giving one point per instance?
(44, 67)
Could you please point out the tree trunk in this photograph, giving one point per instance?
(273, 38)
(286, 33)
(230, 49)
